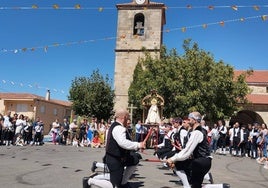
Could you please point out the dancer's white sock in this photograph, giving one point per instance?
(183, 178)
(100, 183)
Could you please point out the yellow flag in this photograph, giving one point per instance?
(77, 6)
(34, 6)
(264, 17)
(55, 6)
(256, 7)
(210, 7)
(234, 7)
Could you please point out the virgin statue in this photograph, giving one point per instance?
(153, 116)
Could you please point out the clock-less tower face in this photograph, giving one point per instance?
(140, 2)
(137, 28)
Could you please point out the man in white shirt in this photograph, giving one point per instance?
(236, 138)
(120, 161)
(197, 147)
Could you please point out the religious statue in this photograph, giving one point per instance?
(153, 116)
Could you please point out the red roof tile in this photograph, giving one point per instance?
(258, 99)
(258, 76)
(10, 96)
(20, 96)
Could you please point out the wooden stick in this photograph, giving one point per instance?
(147, 137)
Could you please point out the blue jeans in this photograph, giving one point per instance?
(213, 145)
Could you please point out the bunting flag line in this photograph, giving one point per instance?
(37, 86)
(123, 36)
(221, 23)
(100, 9)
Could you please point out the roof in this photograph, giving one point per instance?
(258, 76)
(24, 96)
(132, 4)
(258, 98)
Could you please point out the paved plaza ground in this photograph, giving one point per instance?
(51, 166)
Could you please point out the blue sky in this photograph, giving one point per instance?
(69, 42)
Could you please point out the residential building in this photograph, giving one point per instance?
(35, 106)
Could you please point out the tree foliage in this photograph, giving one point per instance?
(188, 82)
(92, 96)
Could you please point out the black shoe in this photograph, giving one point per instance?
(210, 178)
(226, 185)
(85, 184)
(93, 167)
(179, 182)
(127, 185)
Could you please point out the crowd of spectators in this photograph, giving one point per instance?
(240, 140)
(237, 140)
(19, 130)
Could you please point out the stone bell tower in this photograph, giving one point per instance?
(139, 26)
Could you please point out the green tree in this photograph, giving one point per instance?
(188, 82)
(92, 96)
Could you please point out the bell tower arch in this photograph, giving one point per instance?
(139, 26)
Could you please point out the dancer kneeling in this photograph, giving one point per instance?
(197, 153)
(119, 157)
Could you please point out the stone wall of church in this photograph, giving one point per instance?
(152, 38)
(129, 48)
(123, 76)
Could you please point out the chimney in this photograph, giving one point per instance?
(48, 95)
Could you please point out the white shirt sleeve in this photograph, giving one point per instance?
(231, 133)
(241, 135)
(119, 134)
(223, 130)
(195, 138)
(183, 134)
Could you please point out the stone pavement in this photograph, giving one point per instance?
(50, 166)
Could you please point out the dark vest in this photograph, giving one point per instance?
(112, 148)
(177, 138)
(202, 149)
(238, 133)
(221, 134)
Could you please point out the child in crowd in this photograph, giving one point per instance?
(96, 141)
(75, 141)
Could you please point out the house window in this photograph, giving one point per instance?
(138, 24)
(42, 109)
(55, 111)
(22, 108)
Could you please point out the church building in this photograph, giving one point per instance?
(140, 26)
